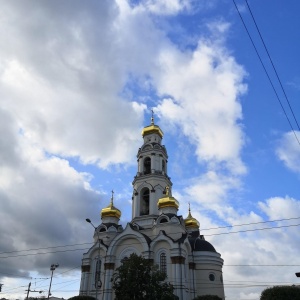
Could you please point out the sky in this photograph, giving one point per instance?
(78, 80)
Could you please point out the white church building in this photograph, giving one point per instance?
(156, 232)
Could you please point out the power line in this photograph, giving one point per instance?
(40, 253)
(257, 229)
(272, 65)
(253, 223)
(253, 44)
(213, 234)
(54, 247)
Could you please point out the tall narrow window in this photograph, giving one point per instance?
(147, 165)
(98, 282)
(163, 167)
(145, 197)
(163, 263)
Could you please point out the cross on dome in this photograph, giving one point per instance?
(152, 116)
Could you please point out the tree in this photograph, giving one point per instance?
(208, 297)
(82, 297)
(281, 293)
(138, 279)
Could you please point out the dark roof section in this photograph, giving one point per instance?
(203, 245)
(198, 243)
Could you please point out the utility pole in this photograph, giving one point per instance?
(28, 290)
(52, 268)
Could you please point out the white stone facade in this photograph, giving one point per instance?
(156, 232)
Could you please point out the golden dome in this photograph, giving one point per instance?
(167, 201)
(152, 128)
(110, 210)
(191, 222)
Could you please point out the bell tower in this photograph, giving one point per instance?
(151, 178)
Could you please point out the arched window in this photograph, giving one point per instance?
(163, 220)
(98, 282)
(145, 197)
(147, 165)
(163, 166)
(163, 263)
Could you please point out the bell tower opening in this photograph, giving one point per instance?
(147, 165)
(145, 199)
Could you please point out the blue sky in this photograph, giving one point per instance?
(78, 81)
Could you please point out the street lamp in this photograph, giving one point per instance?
(52, 268)
(98, 282)
(298, 274)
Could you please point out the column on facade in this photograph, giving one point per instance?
(108, 273)
(178, 263)
(140, 164)
(85, 269)
(192, 274)
(152, 163)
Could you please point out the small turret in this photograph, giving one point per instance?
(191, 224)
(110, 214)
(168, 204)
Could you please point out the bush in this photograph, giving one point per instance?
(281, 293)
(208, 297)
(82, 297)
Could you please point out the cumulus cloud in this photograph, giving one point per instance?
(288, 150)
(204, 87)
(57, 98)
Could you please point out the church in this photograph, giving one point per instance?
(156, 232)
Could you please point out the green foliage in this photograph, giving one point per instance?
(281, 293)
(207, 297)
(138, 279)
(82, 297)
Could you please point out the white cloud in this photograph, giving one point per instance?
(204, 87)
(167, 7)
(288, 150)
(211, 189)
(279, 208)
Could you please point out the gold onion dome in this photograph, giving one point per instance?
(191, 222)
(111, 210)
(152, 129)
(167, 201)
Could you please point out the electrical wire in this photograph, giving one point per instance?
(266, 72)
(287, 100)
(54, 247)
(213, 234)
(253, 223)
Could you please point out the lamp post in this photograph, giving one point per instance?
(98, 282)
(298, 274)
(52, 268)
